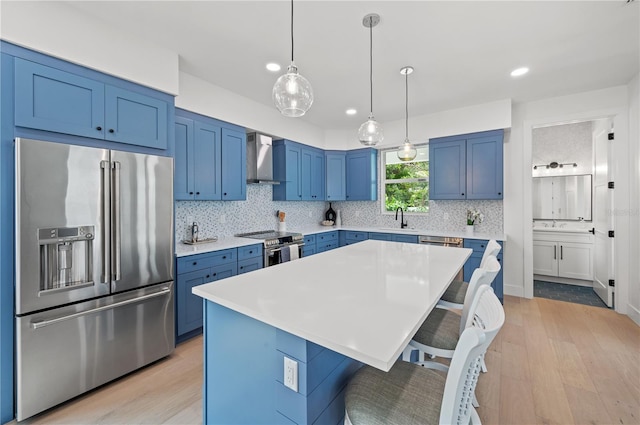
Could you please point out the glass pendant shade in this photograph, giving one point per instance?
(407, 152)
(292, 93)
(370, 132)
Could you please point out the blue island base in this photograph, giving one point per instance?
(244, 368)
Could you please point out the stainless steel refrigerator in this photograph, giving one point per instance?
(94, 268)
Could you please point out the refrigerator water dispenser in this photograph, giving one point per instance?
(66, 255)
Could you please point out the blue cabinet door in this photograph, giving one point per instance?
(447, 174)
(312, 174)
(335, 167)
(234, 165)
(207, 173)
(189, 308)
(473, 263)
(135, 119)
(54, 100)
(184, 173)
(361, 172)
(484, 167)
(287, 164)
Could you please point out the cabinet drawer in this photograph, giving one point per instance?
(194, 262)
(250, 251)
(250, 264)
(405, 238)
(309, 239)
(225, 256)
(478, 245)
(381, 236)
(352, 236)
(308, 250)
(326, 246)
(328, 236)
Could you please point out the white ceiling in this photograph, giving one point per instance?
(462, 52)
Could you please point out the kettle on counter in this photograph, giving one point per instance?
(330, 214)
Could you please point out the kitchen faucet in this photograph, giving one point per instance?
(403, 223)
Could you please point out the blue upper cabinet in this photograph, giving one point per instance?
(447, 169)
(312, 174)
(210, 159)
(183, 181)
(234, 169)
(207, 162)
(335, 175)
(362, 175)
(484, 167)
(54, 100)
(135, 118)
(467, 166)
(287, 163)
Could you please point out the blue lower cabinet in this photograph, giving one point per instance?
(351, 237)
(478, 246)
(405, 238)
(250, 264)
(327, 241)
(197, 270)
(381, 236)
(309, 247)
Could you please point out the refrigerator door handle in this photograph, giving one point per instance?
(116, 223)
(104, 166)
(43, 323)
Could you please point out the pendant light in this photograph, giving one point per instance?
(370, 132)
(292, 93)
(407, 152)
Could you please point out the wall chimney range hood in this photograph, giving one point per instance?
(260, 159)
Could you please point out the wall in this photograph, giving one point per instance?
(634, 207)
(565, 143)
(60, 30)
(470, 119)
(518, 157)
(199, 96)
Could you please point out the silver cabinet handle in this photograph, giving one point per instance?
(104, 166)
(116, 247)
(555, 250)
(36, 325)
(561, 254)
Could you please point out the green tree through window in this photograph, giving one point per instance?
(406, 184)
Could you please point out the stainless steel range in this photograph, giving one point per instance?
(274, 243)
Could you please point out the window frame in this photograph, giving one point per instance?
(384, 181)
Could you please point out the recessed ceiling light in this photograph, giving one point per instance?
(273, 67)
(519, 71)
(351, 111)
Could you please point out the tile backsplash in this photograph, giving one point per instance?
(258, 212)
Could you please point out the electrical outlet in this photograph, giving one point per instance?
(291, 374)
(223, 219)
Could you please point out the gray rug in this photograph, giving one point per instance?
(569, 293)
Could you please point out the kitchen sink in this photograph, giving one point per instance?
(200, 241)
(397, 230)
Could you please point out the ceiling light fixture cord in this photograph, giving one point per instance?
(291, 30)
(406, 107)
(371, 62)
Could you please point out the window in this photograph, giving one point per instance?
(406, 184)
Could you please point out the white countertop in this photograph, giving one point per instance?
(365, 300)
(183, 249)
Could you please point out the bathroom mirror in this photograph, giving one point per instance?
(562, 198)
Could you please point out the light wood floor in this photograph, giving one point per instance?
(552, 363)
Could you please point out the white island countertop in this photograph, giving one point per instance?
(365, 300)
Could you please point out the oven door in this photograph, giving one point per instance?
(273, 255)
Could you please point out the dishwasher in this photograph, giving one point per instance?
(444, 241)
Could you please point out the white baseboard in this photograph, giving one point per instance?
(515, 291)
(633, 313)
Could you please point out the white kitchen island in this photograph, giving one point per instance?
(329, 313)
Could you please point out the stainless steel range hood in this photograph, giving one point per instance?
(260, 159)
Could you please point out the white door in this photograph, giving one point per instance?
(603, 218)
(545, 258)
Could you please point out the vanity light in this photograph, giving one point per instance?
(555, 165)
(519, 71)
(292, 93)
(407, 152)
(370, 132)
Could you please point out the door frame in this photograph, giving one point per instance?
(620, 166)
